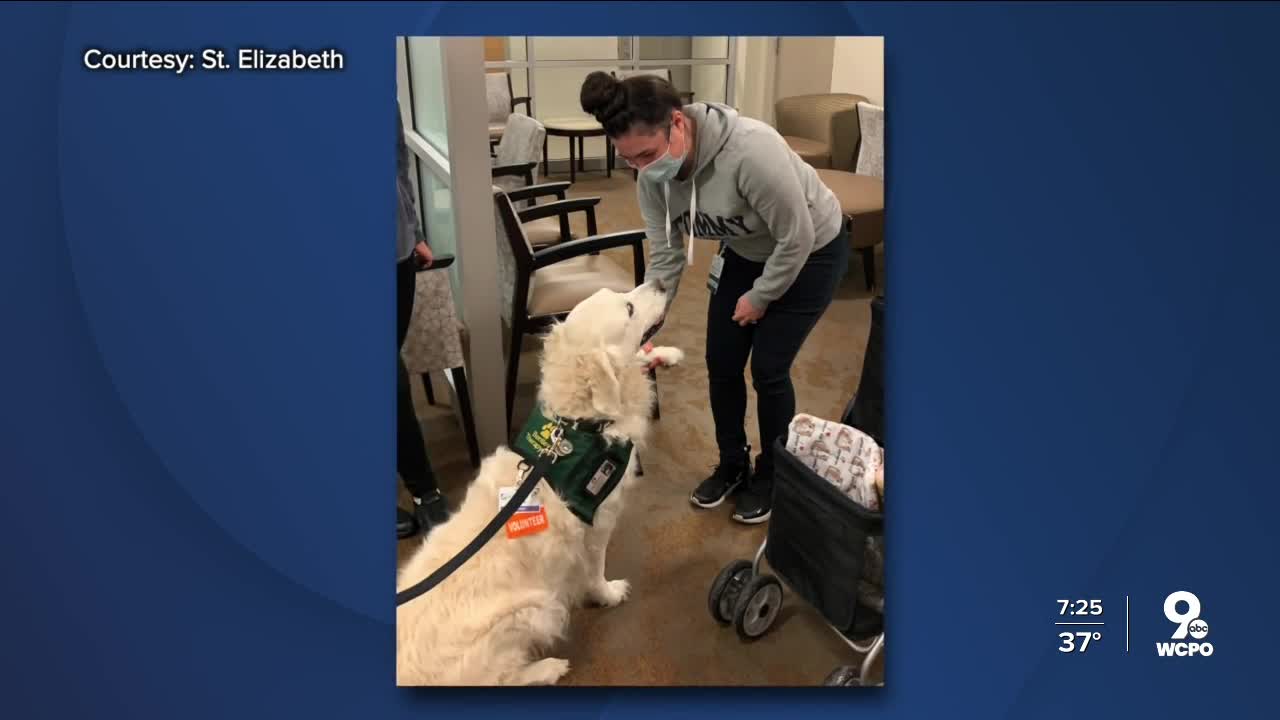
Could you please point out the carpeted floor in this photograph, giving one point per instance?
(669, 550)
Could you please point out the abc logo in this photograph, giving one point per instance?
(1182, 608)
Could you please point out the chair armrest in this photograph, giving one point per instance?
(526, 101)
(439, 262)
(562, 208)
(559, 207)
(687, 97)
(522, 170)
(590, 246)
(516, 169)
(553, 188)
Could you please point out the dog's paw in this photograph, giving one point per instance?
(611, 593)
(667, 355)
(546, 671)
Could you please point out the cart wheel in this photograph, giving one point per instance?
(757, 607)
(843, 676)
(724, 591)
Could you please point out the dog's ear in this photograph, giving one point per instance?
(602, 378)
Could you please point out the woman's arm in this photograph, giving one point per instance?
(404, 184)
(768, 182)
(666, 260)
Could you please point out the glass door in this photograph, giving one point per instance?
(441, 89)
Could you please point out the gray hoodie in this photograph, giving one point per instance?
(753, 193)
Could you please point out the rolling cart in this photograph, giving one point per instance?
(825, 547)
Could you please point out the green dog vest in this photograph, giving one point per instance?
(587, 466)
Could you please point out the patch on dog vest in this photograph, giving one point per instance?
(587, 467)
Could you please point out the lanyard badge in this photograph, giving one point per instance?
(717, 266)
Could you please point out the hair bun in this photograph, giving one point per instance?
(602, 95)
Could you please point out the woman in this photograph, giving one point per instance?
(782, 253)
(412, 462)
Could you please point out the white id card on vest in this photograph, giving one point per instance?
(717, 265)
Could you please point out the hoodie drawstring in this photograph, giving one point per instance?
(693, 217)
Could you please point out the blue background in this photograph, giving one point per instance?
(195, 429)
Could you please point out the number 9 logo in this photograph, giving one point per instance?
(1182, 620)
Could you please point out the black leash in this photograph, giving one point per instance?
(536, 473)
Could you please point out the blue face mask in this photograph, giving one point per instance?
(664, 168)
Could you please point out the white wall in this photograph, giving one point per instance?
(808, 65)
(707, 81)
(707, 84)
(556, 90)
(804, 66)
(858, 67)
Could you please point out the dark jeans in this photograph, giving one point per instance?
(772, 345)
(411, 453)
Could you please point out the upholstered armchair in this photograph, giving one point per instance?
(861, 190)
(822, 129)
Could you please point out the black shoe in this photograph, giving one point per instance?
(755, 503)
(723, 481)
(431, 511)
(406, 524)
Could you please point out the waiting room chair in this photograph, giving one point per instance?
(861, 193)
(438, 341)
(502, 104)
(539, 287)
(822, 129)
(516, 167)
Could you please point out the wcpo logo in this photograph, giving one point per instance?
(1189, 622)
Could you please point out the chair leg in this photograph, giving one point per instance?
(459, 376)
(639, 465)
(513, 369)
(431, 391)
(573, 167)
(869, 266)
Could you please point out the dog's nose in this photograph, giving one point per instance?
(657, 285)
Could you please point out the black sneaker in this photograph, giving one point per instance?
(430, 511)
(755, 503)
(723, 481)
(406, 524)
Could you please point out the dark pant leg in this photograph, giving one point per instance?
(728, 345)
(411, 452)
(779, 337)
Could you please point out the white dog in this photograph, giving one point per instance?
(487, 623)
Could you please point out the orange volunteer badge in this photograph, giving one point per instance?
(529, 519)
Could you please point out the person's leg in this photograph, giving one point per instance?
(411, 452)
(779, 337)
(406, 286)
(727, 348)
(412, 462)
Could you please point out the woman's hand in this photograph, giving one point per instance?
(424, 254)
(746, 314)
